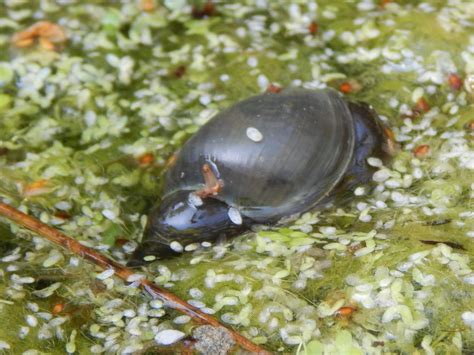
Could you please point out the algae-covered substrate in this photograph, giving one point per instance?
(87, 126)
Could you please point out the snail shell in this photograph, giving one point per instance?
(265, 158)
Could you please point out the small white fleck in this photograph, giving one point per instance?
(176, 246)
(205, 100)
(149, 258)
(235, 215)
(252, 62)
(359, 191)
(109, 214)
(254, 134)
(4, 345)
(206, 244)
(169, 336)
(262, 81)
(468, 318)
(328, 230)
(224, 77)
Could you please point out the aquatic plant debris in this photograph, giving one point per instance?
(87, 129)
(165, 337)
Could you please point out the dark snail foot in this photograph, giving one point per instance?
(370, 141)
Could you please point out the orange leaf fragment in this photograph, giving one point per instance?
(422, 105)
(421, 151)
(58, 308)
(47, 34)
(346, 311)
(147, 5)
(274, 89)
(313, 27)
(146, 159)
(36, 188)
(455, 81)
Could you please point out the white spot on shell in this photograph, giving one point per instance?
(234, 215)
(254, 134)
(176, 246)
(195, 200)
(169, 336)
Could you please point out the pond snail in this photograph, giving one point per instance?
(261, 160)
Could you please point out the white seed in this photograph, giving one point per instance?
(417, 94)
(109, 214)
(182, 319)
(31, 320)
(105, 274)
(169, 336)
(469, 83)
(23, 332)
(191, 247)
(252, 62)
(205, 100)
(262, 81)
(52, 260)
(135, 277)
(381, 175)
(468, 318)
(254, 134)
(176, 246)
(149, 258)
(33, 307)
(4, 345)
(63, 205)
(196, 293)
(392, 183)
(157, 304)
(376, 162)
(197, 304)
(328, 230)
(235, 215)
(129, 313)
(359, 191)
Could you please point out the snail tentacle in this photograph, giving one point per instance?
(212, 185)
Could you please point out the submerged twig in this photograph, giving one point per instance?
(121, 271)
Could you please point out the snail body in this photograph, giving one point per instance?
(263, 159)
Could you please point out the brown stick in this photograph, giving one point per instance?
(121, 271)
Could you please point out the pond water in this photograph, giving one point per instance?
(94, 102)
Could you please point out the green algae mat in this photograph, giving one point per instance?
(96, 96)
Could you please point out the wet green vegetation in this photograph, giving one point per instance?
(86, 131)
